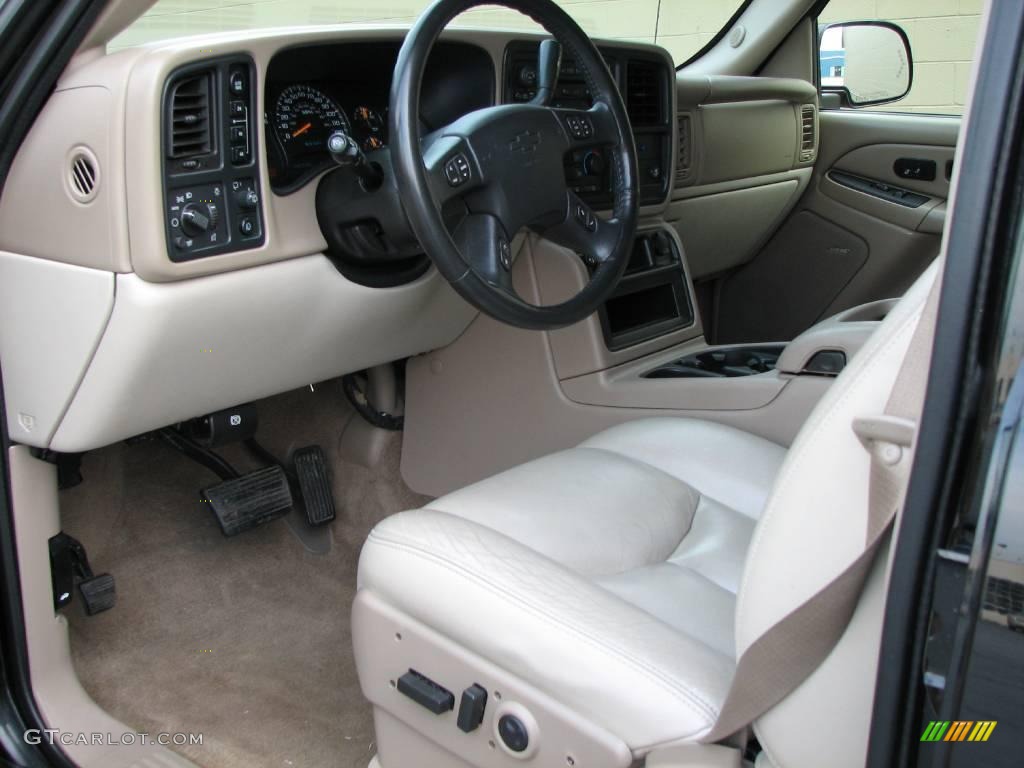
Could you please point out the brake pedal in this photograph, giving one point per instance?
(250, 500)
(314, 484)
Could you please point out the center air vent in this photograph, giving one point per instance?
(684, 156)
(807, 133)
(189, 113)
(644, 92)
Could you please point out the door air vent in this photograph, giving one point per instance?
(808, 139)
(191, 129)
(644, 92)
(83, 175)
(684, 156)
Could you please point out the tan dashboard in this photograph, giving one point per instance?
(124, 337)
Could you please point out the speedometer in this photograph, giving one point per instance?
(304, 117)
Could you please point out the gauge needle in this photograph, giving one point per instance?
(302, 130)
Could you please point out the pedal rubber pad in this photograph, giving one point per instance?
(98, 593)
(250, 500)
(314, 484)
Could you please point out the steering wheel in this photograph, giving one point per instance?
(504, 164)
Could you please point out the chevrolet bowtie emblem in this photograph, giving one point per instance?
(525, 142)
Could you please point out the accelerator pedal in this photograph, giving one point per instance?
(250, 500)
(314, 484)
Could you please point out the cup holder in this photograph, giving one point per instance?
(721, 363)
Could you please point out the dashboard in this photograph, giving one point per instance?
(312, 91)
(195, 275)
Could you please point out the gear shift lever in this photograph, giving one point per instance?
(549, 59)
(346, 153)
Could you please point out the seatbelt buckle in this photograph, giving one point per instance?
(885, 436)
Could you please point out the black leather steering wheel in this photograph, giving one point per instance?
(505, 165)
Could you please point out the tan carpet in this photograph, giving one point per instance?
(245, 640)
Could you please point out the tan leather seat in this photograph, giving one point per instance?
(606, 576)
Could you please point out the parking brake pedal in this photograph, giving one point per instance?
(68, 565)
(314, 484)
(245, 502)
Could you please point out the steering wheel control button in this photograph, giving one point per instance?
(456, 170)
(579, 127)
(513, 733)
(504, 253)
(425, 692)
(471, 708)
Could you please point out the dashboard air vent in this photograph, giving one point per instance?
(83, 175)
(189, 113)
(644, 92)
(684, 156)
(808, 139)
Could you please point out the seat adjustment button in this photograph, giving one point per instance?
(513, 733)
(471, 708)
(426, 692)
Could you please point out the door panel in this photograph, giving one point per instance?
(862, 231)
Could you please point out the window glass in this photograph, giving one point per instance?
(942, 36)
(682, 26)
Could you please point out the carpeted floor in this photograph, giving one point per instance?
(245, 640)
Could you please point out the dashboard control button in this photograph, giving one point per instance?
(238, 134)
(247, 199)
(247, 226)
(190, 165)
(239, 155)
(237, 83)
(504, 254)
(237, 109)
(197, 218)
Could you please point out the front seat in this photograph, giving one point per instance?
(597, 599)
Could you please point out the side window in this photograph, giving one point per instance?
(942, 35)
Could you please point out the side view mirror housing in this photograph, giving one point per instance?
(865, 63)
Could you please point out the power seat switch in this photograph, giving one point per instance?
(471, 708)
(426, 692)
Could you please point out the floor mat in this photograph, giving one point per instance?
(245, 640)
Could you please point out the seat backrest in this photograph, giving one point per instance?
(813, 525)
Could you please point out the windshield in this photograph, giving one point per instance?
(681, 26)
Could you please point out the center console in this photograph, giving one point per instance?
(652, 298)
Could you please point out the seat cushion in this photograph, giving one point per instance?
(609, 567)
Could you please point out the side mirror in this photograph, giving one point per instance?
(865, 62)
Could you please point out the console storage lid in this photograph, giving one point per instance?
(845, 333)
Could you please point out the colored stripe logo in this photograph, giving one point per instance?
(959, 730)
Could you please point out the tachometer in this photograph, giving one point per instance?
(304, 117)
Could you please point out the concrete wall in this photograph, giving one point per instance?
(942, 32)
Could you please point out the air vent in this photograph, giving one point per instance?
(83, 175)
(684, 156)
(807, 133)
(191, 131)
(644, 92)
